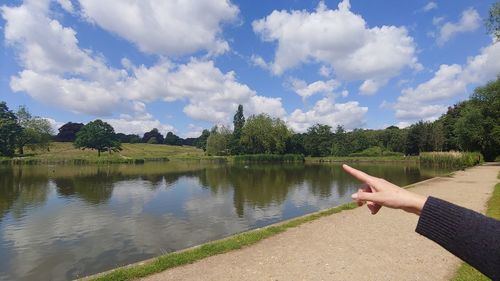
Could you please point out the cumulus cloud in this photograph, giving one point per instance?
(319, 87)
(165, 27)
(469, 21)
(430, 6)
(340, 39)
(128, 125)
(57, 71)
(325, 111)
(430, 99)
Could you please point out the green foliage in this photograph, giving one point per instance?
(451, 159)
(36, 132)
(318, 140)
(9, 130)
(238, 123)
(202, 140)
(218, 141)
(476, 124)
(493, 20)
(153, 133)
(375, 151)
(67, 132)
(263, 158)
(97, 135)
(263, 134)
(172, 139)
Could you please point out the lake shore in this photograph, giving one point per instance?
(320, 249)
(65, 153)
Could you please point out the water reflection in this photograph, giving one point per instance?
(61, 222)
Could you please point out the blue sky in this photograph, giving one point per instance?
(186, 65)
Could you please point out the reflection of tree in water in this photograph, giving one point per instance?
(18, 191)
(94, 189)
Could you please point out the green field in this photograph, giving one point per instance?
(64, 152)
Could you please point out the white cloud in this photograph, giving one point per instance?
(194, 131)
(259, 61)
(340, 39)
(430, 99)
(138, 126)
(325, 111)
(469, 21)
(165, 27)
(437, 20)
(430, 6)
(57, 71)
(55, 125)
(325, 71)
(319, 87)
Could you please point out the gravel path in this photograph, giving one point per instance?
(351, 245)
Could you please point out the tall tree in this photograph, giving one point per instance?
(238, 123)
(318, 140)
(36, 132)
(97, 135)
(67, 132)
(9, 130)
(153, 133)
(202, 140)
(478, 127)
(493, 20)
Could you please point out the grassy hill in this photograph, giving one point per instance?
(64, 152)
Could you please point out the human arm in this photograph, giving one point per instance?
(468, 235)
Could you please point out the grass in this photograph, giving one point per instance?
(451, 159)
(287, 158)
(64, 152)
(213, 248)
(466, 272)
(362, 159)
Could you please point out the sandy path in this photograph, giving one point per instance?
(351, 245)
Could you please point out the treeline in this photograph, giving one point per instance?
(472, 125)
(68, 132)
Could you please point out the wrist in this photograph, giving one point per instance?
(417, 204)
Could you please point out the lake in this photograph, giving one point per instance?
(59, 222)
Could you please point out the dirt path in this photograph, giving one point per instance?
(351, 245)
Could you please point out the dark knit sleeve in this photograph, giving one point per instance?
(468, 235)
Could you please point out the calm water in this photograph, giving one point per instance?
(63, 222)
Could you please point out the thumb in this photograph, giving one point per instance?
(365, 196)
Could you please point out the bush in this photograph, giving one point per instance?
(270, 158)
(451, 159)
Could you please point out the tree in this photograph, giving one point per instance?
(172, 139)
(238, 123)
(130, 138)
(153, 133)
(97, 135)
(218, 141)
(202, 140)
(493, 21)
(478, 127)
(36, 132)
(9, 130)
(318, 140)
(263, 134)
(340, 143)
(67, 132)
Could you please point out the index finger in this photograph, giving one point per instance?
(362, 176)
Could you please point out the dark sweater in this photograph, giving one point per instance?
(468, 235)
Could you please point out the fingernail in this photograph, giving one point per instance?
(354, 196)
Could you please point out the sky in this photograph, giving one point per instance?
(183, 66)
